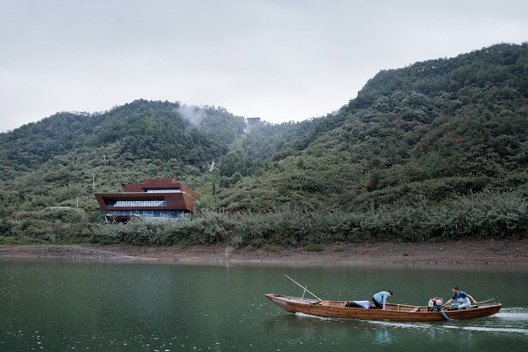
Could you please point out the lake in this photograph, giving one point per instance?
(72, 306)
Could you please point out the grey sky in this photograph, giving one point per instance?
(278, 59)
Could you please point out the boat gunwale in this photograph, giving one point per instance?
(337, 309)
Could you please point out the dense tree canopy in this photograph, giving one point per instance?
(437, 134)
(433, 130)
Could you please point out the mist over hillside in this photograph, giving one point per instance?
(433, 134)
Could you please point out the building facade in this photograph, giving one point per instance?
(156, 199)
(252, 121)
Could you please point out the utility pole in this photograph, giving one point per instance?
(86, 185)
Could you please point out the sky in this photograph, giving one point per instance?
(281, 60)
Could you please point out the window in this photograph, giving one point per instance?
(140, 203)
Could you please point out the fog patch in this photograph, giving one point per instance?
(193, 113)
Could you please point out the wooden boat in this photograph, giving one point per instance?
(392, 311)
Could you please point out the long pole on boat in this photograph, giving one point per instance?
(303, 287)
(488, 300)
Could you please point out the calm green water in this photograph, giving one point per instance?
(65, 306)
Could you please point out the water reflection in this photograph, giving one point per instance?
(383, 336)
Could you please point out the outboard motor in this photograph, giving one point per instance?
(435, 304)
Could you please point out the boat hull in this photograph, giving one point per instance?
(392, 312)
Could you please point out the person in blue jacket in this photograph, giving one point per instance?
(464, 300)
(380, 298)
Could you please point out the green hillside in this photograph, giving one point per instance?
(435, 150)
(51, 168)
(434, 130)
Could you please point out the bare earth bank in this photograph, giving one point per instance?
(502, 252)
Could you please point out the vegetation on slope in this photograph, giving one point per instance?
(435, 150)
(434, 130)
(127, 144)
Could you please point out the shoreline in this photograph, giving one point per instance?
(472, 253)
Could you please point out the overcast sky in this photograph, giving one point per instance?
(281, 60)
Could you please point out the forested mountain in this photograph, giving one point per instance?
(433, 130)
(437, 149)
(190, 136)
(62, 160)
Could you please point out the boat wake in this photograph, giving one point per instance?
(494, 329)
(303, 315)
(511, 320)
(402, 324)
(513, 314)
